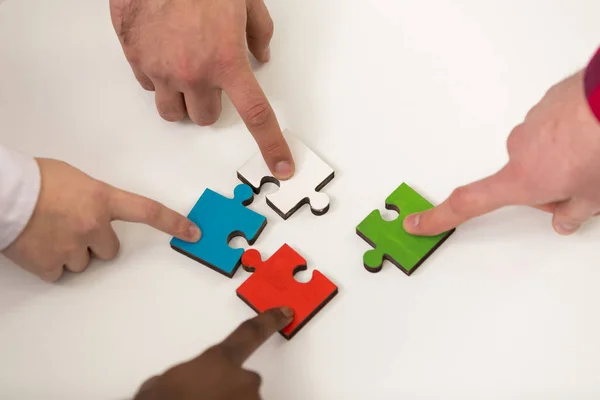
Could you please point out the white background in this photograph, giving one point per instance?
(423, 92)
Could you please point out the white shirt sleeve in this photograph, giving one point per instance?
(20, 183)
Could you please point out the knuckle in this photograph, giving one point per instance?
(133, 58)
(554, 89)
(187, 71)
(113, 250)
(266, 34)
(146, 84)
(459, 201)
(520, 173)
(79, 267)
(228, 64)
(171, 377)
(51, 275)
(514, 138)
(152, 210)
(170, 112)
(253, 379)
(258, 115)
(99, 192)
(181, 226)
(69, 249)
(214, 352)
(206, 117)
(253, 329)
(150, 384)
(50, 269)
(270, 30)
(156, 73)
(549, 127)
(272, 147)
(564, 188)
(205, 120)
(88, 225)
(533, 111)
(110, 252)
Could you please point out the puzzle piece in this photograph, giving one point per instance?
(389, 239)
(273, 285)
(310, 176)
(220, 219)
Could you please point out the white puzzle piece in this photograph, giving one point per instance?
(311, 175)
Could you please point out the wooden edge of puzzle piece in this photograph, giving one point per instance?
(231, 236)
(306, 200)
(305, 321)
(302, 267)
(293, 140)
(397, 264)
(386, 257)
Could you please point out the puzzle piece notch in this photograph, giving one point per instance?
(272, 284)
(389, 239)
(243, 194)
(220, 219)
(310, 176)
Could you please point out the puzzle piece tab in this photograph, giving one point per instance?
(220, 219)
(389, 239)
(310, 176)
(272, 284)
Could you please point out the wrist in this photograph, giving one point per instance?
(19, 192)
(591, 82)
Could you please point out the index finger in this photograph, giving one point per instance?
(130, 207)
(252, 333)
(467, 202)
(247, 96)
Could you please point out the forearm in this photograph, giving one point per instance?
(19, 190)
(592, 84)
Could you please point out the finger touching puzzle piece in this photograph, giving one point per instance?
(310, 176)
(389, 239)
(272, 284)
(220, 219)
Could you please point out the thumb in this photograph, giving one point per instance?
(465, 203)
(259, 30)
(569, 215)
(126, 206)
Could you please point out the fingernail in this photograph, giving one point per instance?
(567, 228)
(287, 312)
(194, 232)
(283, 169)
(267, 54)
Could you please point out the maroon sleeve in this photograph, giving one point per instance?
(591, 83)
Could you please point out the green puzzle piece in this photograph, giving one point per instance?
(389, 239)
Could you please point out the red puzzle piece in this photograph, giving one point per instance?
(273, 285)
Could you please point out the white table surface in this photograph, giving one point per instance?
(424, 92)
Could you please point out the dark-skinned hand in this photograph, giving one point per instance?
(217, 374)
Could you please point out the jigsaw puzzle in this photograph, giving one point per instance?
(220, 219)
(389, 239)
(272, 284)
(310, 176)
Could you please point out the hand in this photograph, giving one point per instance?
(188, 52)
(217, 373)
(72, 222)
(554, 165)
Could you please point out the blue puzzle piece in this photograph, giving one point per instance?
(220, 219)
